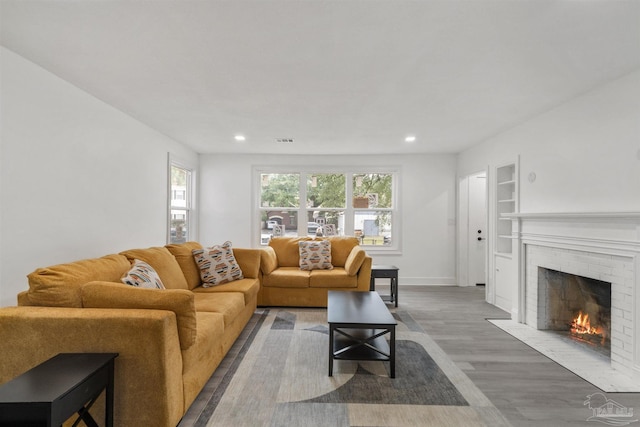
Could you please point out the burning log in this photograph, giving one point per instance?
(581, 328)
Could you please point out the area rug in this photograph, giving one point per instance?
(280, 378)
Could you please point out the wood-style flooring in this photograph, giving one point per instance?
(527, 387)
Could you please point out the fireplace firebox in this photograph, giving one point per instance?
(577, 306)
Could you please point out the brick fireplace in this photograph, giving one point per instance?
(602, 247)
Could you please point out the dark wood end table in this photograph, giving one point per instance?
(53, 391)
(385, 272)
(358, 323)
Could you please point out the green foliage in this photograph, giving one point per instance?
(374, 183)
(326, 190)
(280, 190)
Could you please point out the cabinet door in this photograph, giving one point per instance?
(505, 282)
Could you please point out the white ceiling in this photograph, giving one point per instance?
(339, 77)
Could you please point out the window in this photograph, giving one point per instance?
(181, 205)
(317, 203)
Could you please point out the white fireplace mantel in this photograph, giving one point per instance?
(605, 235)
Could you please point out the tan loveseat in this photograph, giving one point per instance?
(170, 341)
(285, 284)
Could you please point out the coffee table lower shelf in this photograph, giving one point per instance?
(361, 344)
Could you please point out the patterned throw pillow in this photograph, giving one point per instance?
(315, 255)
(217, 265)
(142, 275)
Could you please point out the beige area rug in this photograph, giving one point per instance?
(280, 378)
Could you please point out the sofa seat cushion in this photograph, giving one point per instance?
(163, 262)
(336, 278)
(184, 255)
(287, 277)
(59, 285)
(248, 287)
(202, 358)
(229, 304)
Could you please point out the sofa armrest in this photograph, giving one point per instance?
(249, 261)
(268, 260)
(114, 295)
(354, 260)
(148, 370)
(364, 274)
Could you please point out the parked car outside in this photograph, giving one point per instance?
(312, 227)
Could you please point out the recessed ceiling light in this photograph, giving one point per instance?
(239, 138)
(410, 138)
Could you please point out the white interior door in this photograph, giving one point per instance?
(477, 234)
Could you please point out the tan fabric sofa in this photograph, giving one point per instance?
(170, 341)
(285, 284)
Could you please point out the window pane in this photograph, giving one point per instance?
(179, 180)
(278, 223)
(326, 190)
(373, 227)
(279, 190)
(179, 223)
(372, 190)
(326, 223)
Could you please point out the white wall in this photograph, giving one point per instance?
(428, 200)
(79, 179)
(585, 153)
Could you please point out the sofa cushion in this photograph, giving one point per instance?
(287, 277)
(341, 247)
(248, 260)
(268, 260)
(315, 255)
(201, 359)
(355, 260)
(142, 275)
(217, 265)
(116, 295)
(59, 285)
(183, 252)
(163, 262)
(337, 278)
(229, 304)
(247, 287)
(287, 250)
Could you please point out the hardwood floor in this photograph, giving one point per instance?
(527, 387)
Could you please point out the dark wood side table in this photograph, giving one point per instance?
(53, 391)
(385, 272)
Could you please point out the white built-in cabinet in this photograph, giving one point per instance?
(506, 199)
(505, 250)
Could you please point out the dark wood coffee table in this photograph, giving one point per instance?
(358, 323)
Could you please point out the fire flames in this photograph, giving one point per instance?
(581, 327)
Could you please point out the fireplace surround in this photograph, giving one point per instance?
(603, 247)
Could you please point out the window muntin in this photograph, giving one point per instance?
(368, 214)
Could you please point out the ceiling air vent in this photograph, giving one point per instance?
(284, 141)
